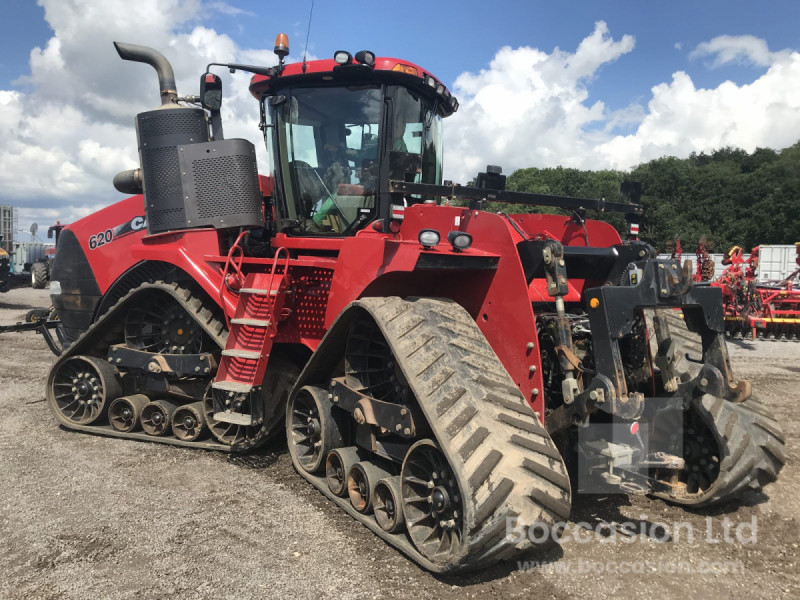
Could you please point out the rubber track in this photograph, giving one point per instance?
(108, 330)
(750, 438)
(503, 458)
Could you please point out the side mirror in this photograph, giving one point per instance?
(211, 91)
(49, 234)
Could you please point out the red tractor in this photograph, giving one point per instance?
(435, 367)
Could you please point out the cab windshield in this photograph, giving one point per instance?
(327, 152)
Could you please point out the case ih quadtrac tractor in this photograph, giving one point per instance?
(438, 370)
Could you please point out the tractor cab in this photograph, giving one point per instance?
(338, 131)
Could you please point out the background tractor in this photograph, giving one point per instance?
(438, 370)
(41, 269)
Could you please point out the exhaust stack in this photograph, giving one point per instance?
(166, 76)
(187, 180)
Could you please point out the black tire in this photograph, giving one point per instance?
(40, 275)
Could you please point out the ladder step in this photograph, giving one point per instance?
(258, 292)
(238, 387)
(249, 354)
(234, 418)
(251, 322)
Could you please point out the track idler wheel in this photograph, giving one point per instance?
(312, 430)
(361, 480)
(387, 504)
(83, 386)
(188, 422)
(124, 412)
(431, 501)
(156, 417)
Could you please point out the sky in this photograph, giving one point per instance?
(584, 84)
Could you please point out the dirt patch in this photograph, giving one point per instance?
(84, 516)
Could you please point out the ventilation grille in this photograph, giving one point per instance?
(226, 185)
(172, 122)
(168, 218)
(163, 190)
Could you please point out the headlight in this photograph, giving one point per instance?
(459, 240)
(429, 238)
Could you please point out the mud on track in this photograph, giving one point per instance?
(90, 517)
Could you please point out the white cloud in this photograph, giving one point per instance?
(230, 10)
(737, 49)
(68, 127)
(531, 108)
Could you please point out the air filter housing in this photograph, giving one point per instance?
(190, 182)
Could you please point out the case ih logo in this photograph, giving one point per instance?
(109, 235)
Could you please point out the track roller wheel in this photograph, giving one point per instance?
(124, 412)
(361, 480)
(338, 465)
(83, 386)
(387, 504)
(156, 416)
(311, 429)
(188, 422)
(431, 502)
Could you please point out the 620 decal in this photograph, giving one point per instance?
(101, 239)
(109, 235)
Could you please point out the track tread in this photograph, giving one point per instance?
(108, 329)
(475, 440)
(496, 497)
(472, 404)
(484, 469)
(749, 437)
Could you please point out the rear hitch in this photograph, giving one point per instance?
(662, 285)
(42, 327)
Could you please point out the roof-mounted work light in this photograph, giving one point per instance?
(342, 57)
(365, 57)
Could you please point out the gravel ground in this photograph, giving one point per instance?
(88, 517)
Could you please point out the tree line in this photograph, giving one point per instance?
(728, 197)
